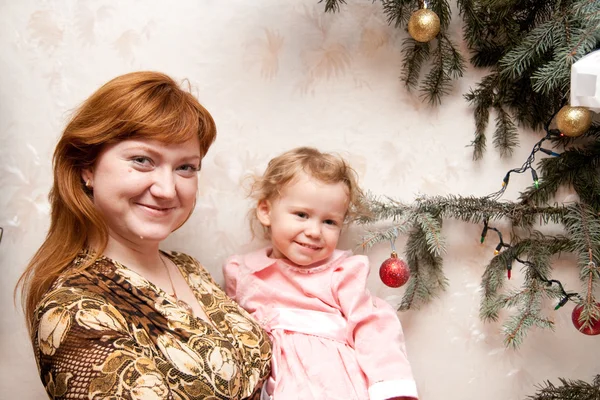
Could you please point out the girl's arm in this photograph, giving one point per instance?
(231, 272)
(375, 333)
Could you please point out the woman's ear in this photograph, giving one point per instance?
(263, 212)
(87, 175)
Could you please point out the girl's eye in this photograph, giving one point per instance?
(302, 214)
(330, 222)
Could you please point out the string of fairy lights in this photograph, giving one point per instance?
(565, 297)
(528, 165)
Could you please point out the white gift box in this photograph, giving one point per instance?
(585, 82)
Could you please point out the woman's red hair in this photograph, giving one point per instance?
(148, 105)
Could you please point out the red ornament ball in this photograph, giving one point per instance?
(593, 329)
(394, 272)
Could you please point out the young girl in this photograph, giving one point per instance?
(332, 340)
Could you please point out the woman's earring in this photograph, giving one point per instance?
(88, 184)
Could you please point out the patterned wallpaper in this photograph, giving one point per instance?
(275, 74)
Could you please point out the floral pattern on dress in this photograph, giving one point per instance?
(106, 332)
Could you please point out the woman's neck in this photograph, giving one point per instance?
(142, 257)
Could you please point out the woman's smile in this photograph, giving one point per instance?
(155, 210)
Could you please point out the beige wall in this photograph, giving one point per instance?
(275, 74)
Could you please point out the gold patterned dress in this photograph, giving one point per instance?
(108, 333)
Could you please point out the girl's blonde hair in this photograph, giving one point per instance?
(148, 105)
(326, 167)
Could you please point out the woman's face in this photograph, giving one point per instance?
(145, 189)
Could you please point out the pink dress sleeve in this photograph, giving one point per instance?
(374, 331)
(231, 270)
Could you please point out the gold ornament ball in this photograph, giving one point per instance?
(573, 121)
(423, 25)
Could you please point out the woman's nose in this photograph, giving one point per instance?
(164, 184)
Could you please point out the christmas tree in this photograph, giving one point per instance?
(528, 47)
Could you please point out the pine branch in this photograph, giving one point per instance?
(583, 224)
(436, 84)
(416, 289)
(415, 54)
(569, 390)
(448, 65)
(554, 76)
(505, 135)
(517, 326)
(538, 248)
(454, 62)
(586, 140)
(586, 8)
(590, 311)
(492, 281)
(532, 48)
(517, 297)
(529, 298)
(482, 98)
(531, 109)
(426, 245)
(397, 11)
(432, 229)
(476, 209)
(593, 132)
(587, 186)
(427, 279)
(385, 209)
(534, 45)
(587, 37)
(536, 287)
(479, 145)
(443, 11)
(493, 27)
(472, 31)
(578, 167)
(371, 238)
(333, 5)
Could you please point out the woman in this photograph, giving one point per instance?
(110, 315)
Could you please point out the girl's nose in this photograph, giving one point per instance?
(312, 229)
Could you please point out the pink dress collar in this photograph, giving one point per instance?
(259, 260)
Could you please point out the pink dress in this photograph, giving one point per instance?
(331, 339)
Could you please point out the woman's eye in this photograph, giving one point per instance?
(189, 168)
(142, 160)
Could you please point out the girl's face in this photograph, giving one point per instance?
(145, 189)
(305, 221)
